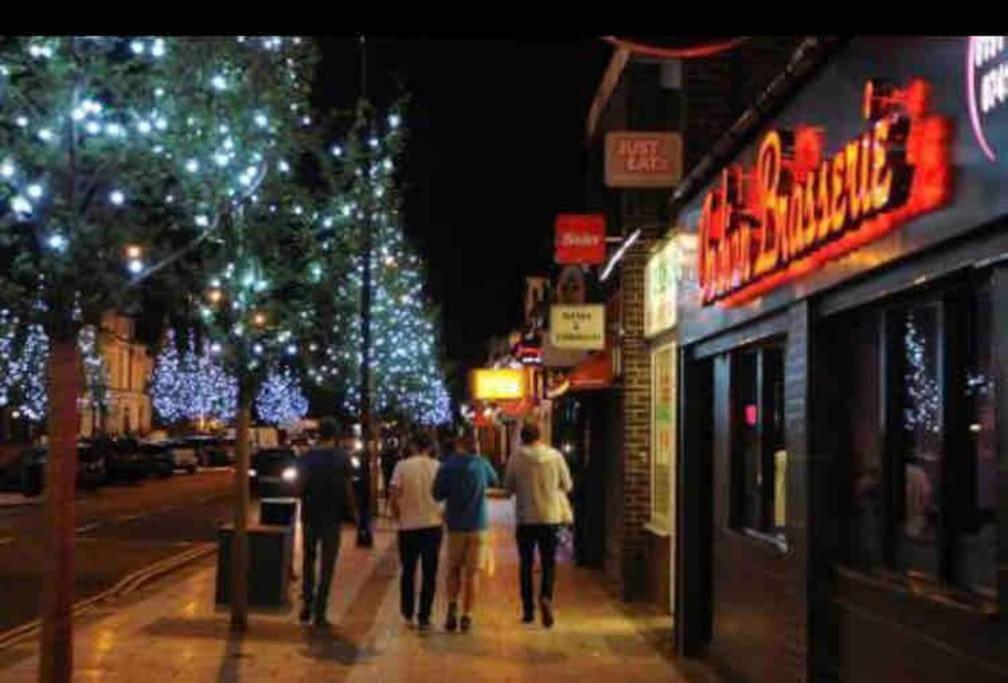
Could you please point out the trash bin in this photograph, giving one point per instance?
(279, 511)
(269, 564)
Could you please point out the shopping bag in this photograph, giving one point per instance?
(566, 511)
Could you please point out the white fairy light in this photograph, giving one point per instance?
(117, 197)
(202, 221)
(92, 127)
(7, 169)
(158, 48)
(192, 166)
(21, 121)
(57, 242)
(20, 205)
(337, 151)
(144, 127)
(45, 135)
(261, 120)
(284, 167)
(218, 82)
(393, 120)
(35, 191)
(137, 47)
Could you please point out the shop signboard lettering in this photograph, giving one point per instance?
(640, 159)
(986, 86)
(578, 326)
(660, 289)
(580, 239)
(796, 209)
(498, 384)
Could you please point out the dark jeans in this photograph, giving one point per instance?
(530, 536)
(314, 536)
(423, 545)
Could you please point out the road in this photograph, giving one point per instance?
(120, 529)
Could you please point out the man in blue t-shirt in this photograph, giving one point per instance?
(462, 482)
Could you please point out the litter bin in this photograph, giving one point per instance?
(278, 511)
(269, 564)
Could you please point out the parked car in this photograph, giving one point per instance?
(211, 451)
(161, 457)
(91, 469)
(185, 455)
(125, 462)
(274, 472)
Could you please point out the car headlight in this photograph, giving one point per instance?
(289, 474)
(252, 473)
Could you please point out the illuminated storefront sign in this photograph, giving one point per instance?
(986, 84)
(641, 159)
(498, 384)
(578, 327)
(580, 239)
(660, 289)
(797, 210)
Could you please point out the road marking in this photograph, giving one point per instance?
(88, 527)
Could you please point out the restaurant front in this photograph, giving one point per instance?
(843, 453)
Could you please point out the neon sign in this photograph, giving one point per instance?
(796, 209)
(985, 63)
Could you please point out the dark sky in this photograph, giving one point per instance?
(495, 152)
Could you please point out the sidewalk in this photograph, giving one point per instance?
(173, 633)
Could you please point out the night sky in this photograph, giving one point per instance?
(496, 150)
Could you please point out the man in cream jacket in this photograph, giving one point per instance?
(538, 477)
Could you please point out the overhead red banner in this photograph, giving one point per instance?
(580, 239)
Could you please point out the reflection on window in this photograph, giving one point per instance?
(759, 461)
(919, 453)
(921, 405)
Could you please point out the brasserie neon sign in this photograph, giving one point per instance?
(796, 209)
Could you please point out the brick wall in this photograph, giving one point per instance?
(635, 465)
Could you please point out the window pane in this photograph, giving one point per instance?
(921, 416)
(746, 447)
(865, 525)
(774, 460)
(975, 553)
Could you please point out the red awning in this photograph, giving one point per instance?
(595, 372)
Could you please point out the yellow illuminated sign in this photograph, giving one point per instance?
(498, 385)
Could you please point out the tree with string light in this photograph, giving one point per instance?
(122, 153)
(79, 117)
(365, 218)
(191, 385)
(280, 400)
(247, 126)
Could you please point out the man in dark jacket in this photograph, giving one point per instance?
(325, 476)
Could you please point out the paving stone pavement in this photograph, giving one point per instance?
(174, 633)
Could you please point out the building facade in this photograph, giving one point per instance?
(843, 472)
(128, 365)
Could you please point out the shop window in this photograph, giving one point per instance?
(922, 459)
(759, 461)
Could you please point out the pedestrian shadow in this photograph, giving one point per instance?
(330, 645)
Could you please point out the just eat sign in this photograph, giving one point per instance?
(643, 159)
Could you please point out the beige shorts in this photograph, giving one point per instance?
(467, 550)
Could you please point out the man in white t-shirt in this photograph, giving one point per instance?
(419, 517)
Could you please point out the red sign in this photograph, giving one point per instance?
(580, 239)
(796, 210)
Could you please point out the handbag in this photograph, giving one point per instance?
(566, 511)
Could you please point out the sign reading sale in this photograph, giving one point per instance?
(643, 159)
(580, 239)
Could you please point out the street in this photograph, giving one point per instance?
(120, 530)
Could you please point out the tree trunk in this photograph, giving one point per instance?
(239, 542)
(56, 656)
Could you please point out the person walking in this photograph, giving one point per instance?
(419, 518)
(462, 482)
(537, 475)
(325, 480)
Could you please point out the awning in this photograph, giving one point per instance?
(595, 372)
